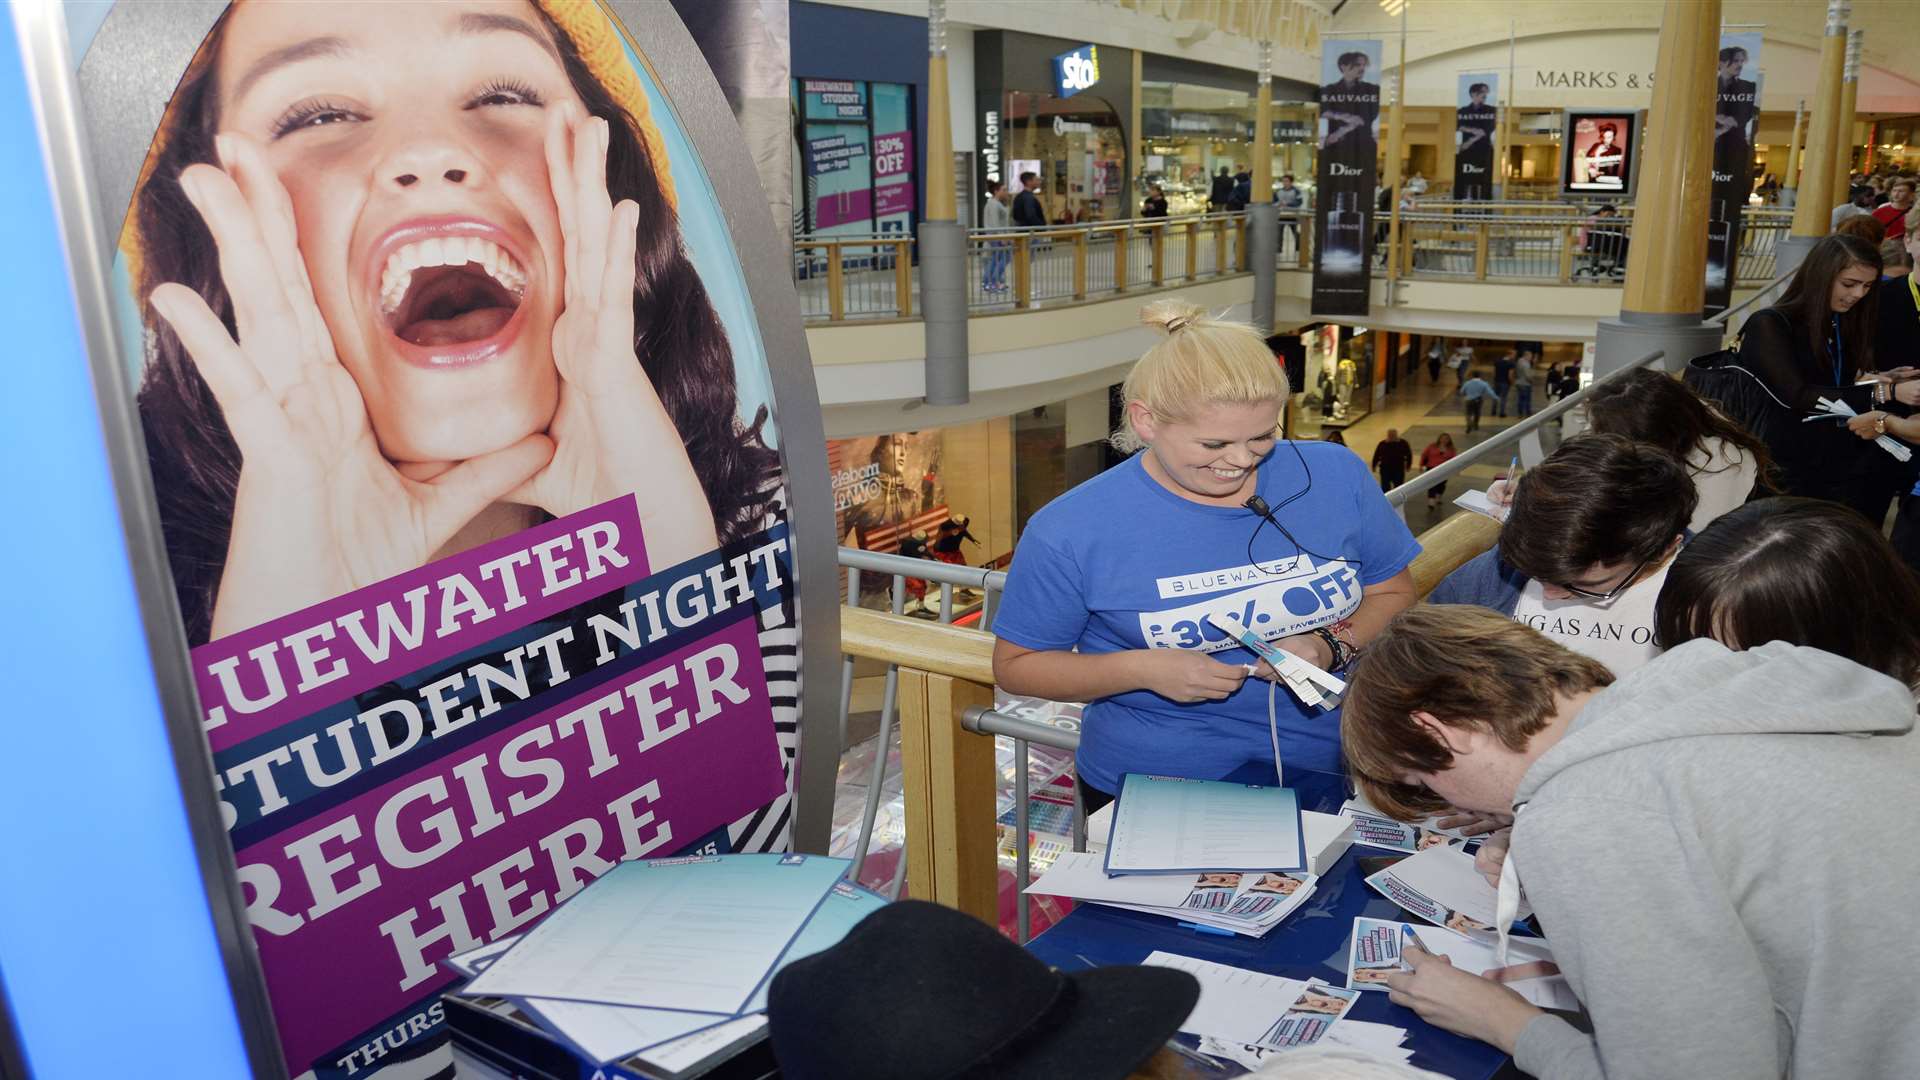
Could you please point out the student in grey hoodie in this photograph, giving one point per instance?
(1703, 841)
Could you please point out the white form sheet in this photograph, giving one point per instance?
(1165, 825)
(694, 933)
(474, 961)
(1441, 886)
(1235, 1004)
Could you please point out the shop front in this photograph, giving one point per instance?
(1197, 119)
(1057, 108)
(1337, 390)
(859, 110)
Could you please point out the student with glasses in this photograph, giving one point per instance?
(1585, 548)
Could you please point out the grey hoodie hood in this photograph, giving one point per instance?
(1703, 689)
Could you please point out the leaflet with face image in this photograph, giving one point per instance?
(1374, 829)
(1378, 949)
(1441, 886)
(1306, 1021)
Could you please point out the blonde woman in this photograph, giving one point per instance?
(1112, 584)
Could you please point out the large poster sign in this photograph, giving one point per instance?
(459, 423)
(1475, 118)
(1736, 111)
(1343, 202)
(1601, 152)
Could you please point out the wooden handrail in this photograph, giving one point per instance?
(938, 648)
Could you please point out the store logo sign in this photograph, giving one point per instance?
(1076, 71)
(990, 143)
(1071, 127)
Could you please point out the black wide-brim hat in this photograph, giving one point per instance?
(922, 992)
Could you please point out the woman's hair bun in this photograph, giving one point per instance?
(1172, 314)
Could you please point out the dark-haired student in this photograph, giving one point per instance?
(1792, 570)
(1817, 342)
(1585, 548)
(1694, 838)
(1724, 459)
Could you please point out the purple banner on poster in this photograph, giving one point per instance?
(893, 154)
(893, 199)
(842, 208)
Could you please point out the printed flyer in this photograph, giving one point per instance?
(460, 428)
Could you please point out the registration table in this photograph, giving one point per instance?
(1310, 943)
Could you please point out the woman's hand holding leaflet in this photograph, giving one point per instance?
(612, 436)
(319, 510)
(1462, 1002)
(1187, 676)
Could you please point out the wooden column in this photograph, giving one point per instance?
(1790, 176)
(1396, 139)
(939, 170)
(1263, 139)
(1666, 263)
(1814, 202)
(1136, 165)
(951, 838)
(1843, 132)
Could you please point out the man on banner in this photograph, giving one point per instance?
(1349, 109)
(1736, 107)
(1474, 123)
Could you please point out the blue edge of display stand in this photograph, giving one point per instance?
(107, 947)
(1310, 943)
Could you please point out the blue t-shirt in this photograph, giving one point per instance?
(1122, 563)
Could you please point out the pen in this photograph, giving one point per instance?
(1214, 930)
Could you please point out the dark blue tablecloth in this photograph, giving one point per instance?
(1310, 943)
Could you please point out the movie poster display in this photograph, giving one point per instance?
(1475, 120)
(460, 426)
(1736, 112)
(1348, 164)
(1601, 152)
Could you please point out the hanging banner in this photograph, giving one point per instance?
(1343, 202)
(460, 426)
(1736, 111)
(1474, 122)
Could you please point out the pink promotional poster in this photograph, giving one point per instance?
(461, 434)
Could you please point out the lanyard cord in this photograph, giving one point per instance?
(1838, 350)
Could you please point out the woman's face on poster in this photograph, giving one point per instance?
(410, 139)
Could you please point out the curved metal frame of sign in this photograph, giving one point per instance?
(100, 126)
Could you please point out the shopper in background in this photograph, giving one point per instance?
(1859, 201)
(1476, 393)
(1791, 570)
(1027, 211)
(1585, 548)
(1523, 383)
(1287, 198)
(1895, 263)
(1863, 227)
(1333, 436)
(1088, 615)
(1392, 456)
(996, 217)
(1892, 215)
(1502, 381)
(1817, 342)
(1438, 453)
(1461, 361)
(1896, 339)
(1242, 191)
(1222, 190)
(1155, 204)
(1436, 353)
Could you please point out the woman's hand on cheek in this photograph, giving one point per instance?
(1459, 1001)
(612, 436)
(318, 510)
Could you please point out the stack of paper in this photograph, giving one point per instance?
(1327, 836)
(1239, 903)
(1478, 502)
(1169, 825)
(668, 961)
(1378, 944)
